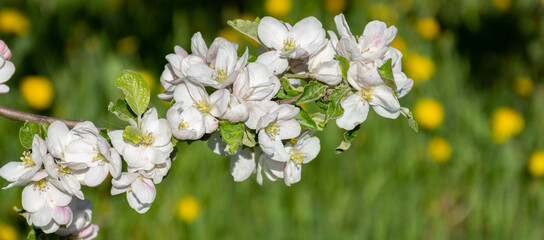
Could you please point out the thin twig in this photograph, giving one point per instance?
(17, 115)
(289, 100)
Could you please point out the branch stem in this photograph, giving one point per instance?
(17, 115)
(301, 76)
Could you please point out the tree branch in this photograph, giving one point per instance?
(289, 100)
(17, 115)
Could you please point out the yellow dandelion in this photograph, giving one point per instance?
(418, 67)
(399, 44)
(439, 149)
(335, 6)
(506, 123)
(501, 5)
(278, 8)
(14, 22)
(383, 12)
(231, 35)
(7, 232)
(148, 78)
(187, 209)
(38, 92)
(128, 45)
(523, 86)
(428, 28)
(535, 166)
(429, 113)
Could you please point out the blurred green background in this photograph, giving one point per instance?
(473, 171)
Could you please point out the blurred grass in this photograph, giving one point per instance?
(385, 187)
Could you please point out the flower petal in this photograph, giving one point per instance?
(355, 112)
(242, 164)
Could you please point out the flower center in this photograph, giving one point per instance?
(273, 130)
(40, 186)
(183, 125)
(289, 44)
(366, 93)
(27, 159)
(298, 157)
(100, 158)
(64, 171)
(203, 106)
(221, 75)
(147, 139)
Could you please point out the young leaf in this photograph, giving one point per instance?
(249, 138)
(348, 137)
(247, 28)
(336, 97)
(43, 130)
(313, 91)
(121, 109)
(232, 134)
(136, 90)
(27, 132)
(320, 120)
(287, 90)
(411, 122)
(31, 234)
(344, 65)
(386, 72)
(132, 134)
(305, 120)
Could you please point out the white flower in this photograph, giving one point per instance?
(324, 67)
(215, 105)
(242, 163)
(154, 148)
(6, 67)
(277, 125)
(81, 217)
(46, 205)
(303, 150)
(370, 46)
(20, 173)
(90, 232)
(404, 84)
(186, 124)
(140, 191)
(175, 72)
(237, 111)
(64, 178)
(221, 67)
(302, 40)
(157, 173)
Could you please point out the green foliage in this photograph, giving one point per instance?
(121, 109)
(248, 28)
(233, 134)
(336, 97)
(28, 130)
(136, 90)
(132, 134)
(344, 65)
(287, 90)
(348, 137)
(312, 91)
(386, 72)
(306, 120)
(411, 121)
(249, 138)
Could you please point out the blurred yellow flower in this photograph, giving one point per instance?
(187, 209)
(384, 13)
(439, 149)
(418, 67)
(536, 164)
(8, 232)
(335, 6)
(278, 8)
(429, 113)
(399, 44)
(501, 5)
(14, 22)
(128, 45)
(231, 35)
(428, 28)
(38, 92)
(148, 78)
(523, 86)
(506, 123)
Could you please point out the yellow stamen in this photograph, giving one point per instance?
(298, 157)
(147, 139)
(203, 106)
(273, 130)
(27, 159)
(288, 44)
(40, 186)
(100, 158)
(183, 125)
(221, 75)
(366, 93)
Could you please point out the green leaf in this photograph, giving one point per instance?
(287, 90)
(104, 133)
(132, 134)
(43, 130)
(344, 65)
(305, 120)
(136, 91)
(320, 120)
(386, 72)
(411, 122)
(232, 134)
(313, 91)
(247, 28)
(336, 97)
(31, 234)
(121, 109)
(27, 132)
(251, 58)
(348, 137)
(249, 138)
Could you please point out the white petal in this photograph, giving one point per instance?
(217, 145)
(220, 101)
(292, 173)
(272, 32)
(384, 102)
(355, 112)
(348, 49)
(56, 138)
(6, 71)
(62, 215)
(342, 27)
(32, 199)
(96, 175)
(310, 146)
(202, 75)
(198, 46)
(289, 129)
(273, 61)
(242, 164)
(144, 190)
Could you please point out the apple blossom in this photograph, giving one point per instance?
(80, 223)
(140, 190)
(20, 173)
(186, 124)
(6, 67)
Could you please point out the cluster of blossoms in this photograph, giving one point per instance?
(248, 108)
